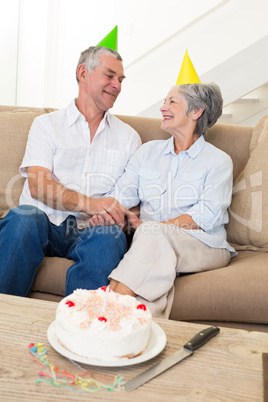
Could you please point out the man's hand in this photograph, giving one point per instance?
(106, 211)
(98, 220)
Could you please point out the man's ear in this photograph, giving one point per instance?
(81, 72)
(197, 113)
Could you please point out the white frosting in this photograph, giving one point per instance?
(102, 324)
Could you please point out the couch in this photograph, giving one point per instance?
(235, 295)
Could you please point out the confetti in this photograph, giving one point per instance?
(83, 383)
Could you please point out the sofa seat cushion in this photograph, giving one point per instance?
(51, 276)
(248, 214)
(235, 293)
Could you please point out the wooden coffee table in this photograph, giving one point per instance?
(227, 368)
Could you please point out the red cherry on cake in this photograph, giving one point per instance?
(105, 288)
(102, 319)
(142, 307)
(70, 303)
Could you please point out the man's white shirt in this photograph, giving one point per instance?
(60, 141)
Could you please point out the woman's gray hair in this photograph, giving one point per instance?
(207, 97)
(91, 57)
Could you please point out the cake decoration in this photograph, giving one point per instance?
(142, 307)
(102, 319)
(105, 288)
(70, 303)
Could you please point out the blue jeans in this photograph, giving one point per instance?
(27, 236)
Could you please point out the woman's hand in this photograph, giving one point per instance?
(133, 219)
(184, 221)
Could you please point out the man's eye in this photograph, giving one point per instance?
(110, 76)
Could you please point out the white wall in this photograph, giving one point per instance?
(9, 26)
(152, 36)
(54, 32)
(142, 26)
(32, 55)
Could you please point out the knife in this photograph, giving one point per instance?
(188, 349)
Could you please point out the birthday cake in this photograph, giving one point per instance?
(101, 324)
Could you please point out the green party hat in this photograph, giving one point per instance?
(110, 40)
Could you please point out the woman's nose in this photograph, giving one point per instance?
(163, 108)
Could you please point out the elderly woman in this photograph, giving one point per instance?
(184, 187)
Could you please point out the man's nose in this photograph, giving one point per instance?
(116, 84)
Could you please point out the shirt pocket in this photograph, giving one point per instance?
(189, 189)
(69, 158)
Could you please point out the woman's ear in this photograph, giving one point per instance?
(197, 113)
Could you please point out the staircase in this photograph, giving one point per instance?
(248, 109)
(224, 48)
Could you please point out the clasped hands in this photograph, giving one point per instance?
(108, 211)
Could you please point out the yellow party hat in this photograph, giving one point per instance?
(187, 73)
(110, 40)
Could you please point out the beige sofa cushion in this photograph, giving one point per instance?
(51, 276)
(248, 213)
(236, 293)
(14, 129)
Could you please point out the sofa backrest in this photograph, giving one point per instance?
(232, 139)
(15, 123)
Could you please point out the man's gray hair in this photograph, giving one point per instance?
(207, 97)
(91, 57)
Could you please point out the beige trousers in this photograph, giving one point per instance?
(158, 254)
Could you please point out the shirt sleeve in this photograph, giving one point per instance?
(126, 190)
(135, 143)
(211, 209)
(39, 149)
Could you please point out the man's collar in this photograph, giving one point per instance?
(193, 151)
(73, 114)
(108, 118)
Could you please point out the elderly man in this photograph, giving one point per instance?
(73, 158)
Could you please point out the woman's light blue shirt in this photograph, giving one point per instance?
(197, 182)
